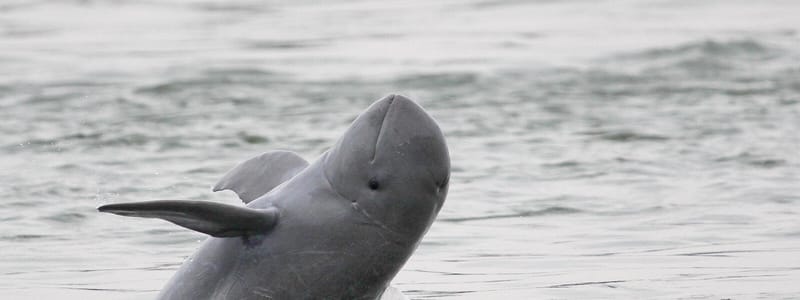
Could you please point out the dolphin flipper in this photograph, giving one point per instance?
(258, 175)
(215, 219)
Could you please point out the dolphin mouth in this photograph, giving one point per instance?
(382, 126)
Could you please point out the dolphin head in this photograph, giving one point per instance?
(393, 165)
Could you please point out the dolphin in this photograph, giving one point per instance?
(338, 228)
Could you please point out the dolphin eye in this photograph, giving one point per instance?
(373, 184)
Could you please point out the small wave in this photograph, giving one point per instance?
(553, 210)
(171, 87)
(107, 289)
(753, 160)
(282, 44)
(225, 7)
(23, 237)
(35, 145)
(722, 253)
(562, 164)
(209, 80)
(171, 144)
(72, 141)
(240, 72)
(495, 3)
(251, 138)
(66, 217)
(133, 139)
(441, 80)
(607, 283)
(625, 136)
(202, 170)
(707, 59)
(710, 48)
(83, 136)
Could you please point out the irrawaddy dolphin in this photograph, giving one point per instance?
(338, 228)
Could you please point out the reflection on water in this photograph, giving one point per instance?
(601, 150)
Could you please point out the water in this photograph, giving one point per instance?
(601, 149)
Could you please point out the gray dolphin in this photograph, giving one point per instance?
(338, 228)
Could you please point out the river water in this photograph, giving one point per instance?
(600, 149)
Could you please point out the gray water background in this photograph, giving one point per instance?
(600, 149)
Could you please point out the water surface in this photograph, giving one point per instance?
(600, 149)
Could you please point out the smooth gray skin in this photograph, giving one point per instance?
(335, 237)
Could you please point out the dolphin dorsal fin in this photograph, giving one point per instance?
(214, 219)
(258, 175)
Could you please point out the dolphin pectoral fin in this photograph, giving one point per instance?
(258, 175)
(215, 219)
